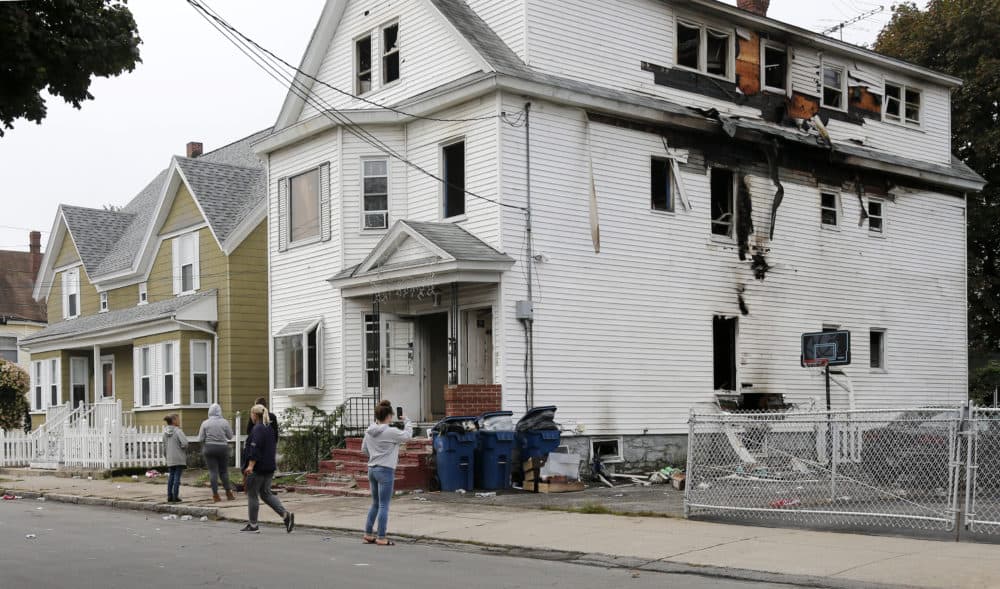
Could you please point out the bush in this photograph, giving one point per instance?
(308, 436)
(984, 381)
(14, 383)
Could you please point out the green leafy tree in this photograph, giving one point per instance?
(14, 383)
(59, 45)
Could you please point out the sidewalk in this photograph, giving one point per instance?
(655, 543)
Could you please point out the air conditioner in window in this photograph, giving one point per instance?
(376, 220)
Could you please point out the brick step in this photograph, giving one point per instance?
(317, 478)
(361, 472)
(332, 491)
(413, 444)
(403, 483)
(407, 457)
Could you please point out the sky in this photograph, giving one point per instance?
(192, 85)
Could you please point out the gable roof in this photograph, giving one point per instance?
(483, 39)
(226, 194)
(95, 232)
(16, 283)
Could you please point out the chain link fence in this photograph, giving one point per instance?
(982, 514)
(891, 468)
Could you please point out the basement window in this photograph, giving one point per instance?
(723, 201)
(829, 209)
(775, 66)
(661, 196)
(363, 64)
(834, 89)
(876, 216)
(390, 53)
(608, 451)
(724, 352)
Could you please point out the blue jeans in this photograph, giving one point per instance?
(174, 482)
(381, 479)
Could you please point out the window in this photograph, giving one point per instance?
(143, 293)
(902, 104)
(375, 185)
(829, 209)
(661, 196)
(363, 64)
(54, 376)
(877, 348)
(104, 302)
(775, 64)
(371, 351)
(723, 201)
(706, 50)
(107, 376)
(78, 380)
(453, 161)
(185, 260)
(298, 356)
(37, 403)
(876, 216)
(834, 92)
(8, 349)
(399, 347)
(201, 372)
(390, 53)
(303, 204)
(724, 353)
(145, 376)
(71, 293)
(168, 373)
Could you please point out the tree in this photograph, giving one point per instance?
(960, 37)
(14, 383)
(58, 45)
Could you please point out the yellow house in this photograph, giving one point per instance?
(161, 304)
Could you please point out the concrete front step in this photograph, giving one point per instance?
(331, 490)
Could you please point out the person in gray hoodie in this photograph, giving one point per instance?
(381, 444)
(214, 436)
(174, 445)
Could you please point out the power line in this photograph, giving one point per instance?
(841, 26)
(327, 110)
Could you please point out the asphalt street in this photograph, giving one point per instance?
(48, 545)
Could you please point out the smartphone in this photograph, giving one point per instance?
(399, 412)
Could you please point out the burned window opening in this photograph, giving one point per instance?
(744, 212)
(723, 202)
(759, 266)
(860, 189)
(773, 156)
(775, 65)
(688, 45)
(661, 196)
(724, 352)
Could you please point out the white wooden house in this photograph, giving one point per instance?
(654, 137)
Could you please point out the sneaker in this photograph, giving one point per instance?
(249, 528)
(289, 521)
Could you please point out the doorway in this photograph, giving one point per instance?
(477, 365)
(434, 366)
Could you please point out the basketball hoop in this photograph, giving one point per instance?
(816, 366)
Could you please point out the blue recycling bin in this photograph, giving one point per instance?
(536, 443)
(493, 455)
(455, 454)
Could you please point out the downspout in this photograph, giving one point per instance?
(529, 324)
(215, 353)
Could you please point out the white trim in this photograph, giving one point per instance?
(293, 243)
(75, 361)
(882, 202)
(245, 228)
(388, 192)
(766, 44)
(355, 55)
(208, 367)
(834, 65)
(703, 31)
(46, 273)
(114, 377)
(837, 208)
(902, 121)
(443, 185)
(382, 53)
(391, 240)
(369, 285)
(103, 304)
(143, 290)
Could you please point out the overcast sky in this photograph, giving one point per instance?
(194, 86)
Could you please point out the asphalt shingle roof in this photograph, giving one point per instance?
(480, 35)
(95, 232)
(226, 193)
(112, 319)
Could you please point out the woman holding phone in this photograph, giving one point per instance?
(381, 444)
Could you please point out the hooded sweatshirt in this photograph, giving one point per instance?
(382, 443)
(174, 443)
(216, 429)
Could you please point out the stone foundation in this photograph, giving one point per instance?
(641, 453)
(472, 399)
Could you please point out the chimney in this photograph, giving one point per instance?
(755, 6)
(35, 247)
(194, 148)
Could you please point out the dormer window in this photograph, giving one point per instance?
(185, 264)
(363, 64)
(705, 49)
(390, 53)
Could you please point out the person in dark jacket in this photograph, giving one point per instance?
(261, 451)
(271, 417)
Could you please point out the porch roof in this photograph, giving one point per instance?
(417, 253)
(196, 307)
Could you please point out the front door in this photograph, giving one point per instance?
(79, 380)
(400, 376)
(478, 365)
(433, 332)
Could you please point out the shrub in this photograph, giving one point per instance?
(984, 381)
(14, 383)
(308, 436)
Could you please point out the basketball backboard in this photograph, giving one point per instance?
(832, 346)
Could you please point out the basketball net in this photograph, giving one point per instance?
(817, 366)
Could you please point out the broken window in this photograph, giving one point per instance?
(775, 63)
(829, 209)
(688, 45)
(717, 61)
(724, 352)
(876, 216)
(723, 201)
(661, 195)
(363, 64)
(390, 53)
(453, 161)
(833, 87)
(902, 104)
(877, 348)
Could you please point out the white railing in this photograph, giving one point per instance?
(16, 448)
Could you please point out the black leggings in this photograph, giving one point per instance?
(217, 458)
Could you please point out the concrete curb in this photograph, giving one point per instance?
(509, 550)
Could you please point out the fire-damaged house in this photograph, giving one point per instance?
(619, 208)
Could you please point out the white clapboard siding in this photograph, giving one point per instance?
(430, 54)
(358, 242)
(507, 19)
(623, 339)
